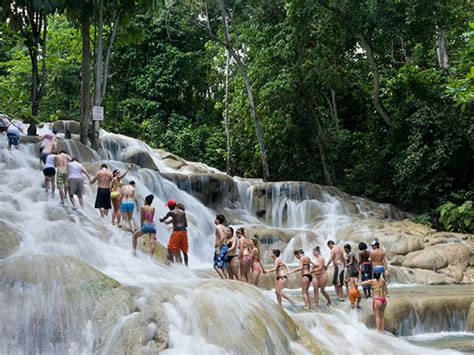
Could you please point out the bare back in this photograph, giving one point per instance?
(281, 268)
(61, 160)
(104, 177)
(377, 256)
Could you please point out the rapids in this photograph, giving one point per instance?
(73, 286)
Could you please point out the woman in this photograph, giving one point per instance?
(281, 276)
(233, 262)
(49, 173)
(350, 264)
(365, 267)
(115, 194)
(320, 277)
(380, 301)
(147, 214)
(246, 259)
(306, 277)
(257, 266)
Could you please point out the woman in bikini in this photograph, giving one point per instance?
(147, 214)
(320, 277)
(115, 194)
(246, 259)
(281, 276)
(379, 302)
(257, 266)
(306, 277)
(233, 262)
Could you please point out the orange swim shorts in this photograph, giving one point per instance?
(178, 242)
(353, 295)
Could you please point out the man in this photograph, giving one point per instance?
(15, 128)
(179, 237)
(379, 259)
(220, 248)
(102, 201)
(337, 258)
(129, 201)
(76, 182)
(60, 162)
(48, 144)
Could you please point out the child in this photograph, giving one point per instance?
(354, 293)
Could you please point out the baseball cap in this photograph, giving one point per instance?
(171, 203)
(375, 242)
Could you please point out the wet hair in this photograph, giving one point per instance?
(276, 252)
(354, 273)
(316, 248)
(241, 230)
(149, 199)
(220, 218)
(348, 247)
(231, 230)
(255, 240)
(377, 275)
(362, 246)
(74, 159)
(132, 183)
(116, 171)
(299, 251)
(103, 166)
(55, 130)
(330, 242)
(181, 206)
(62, 152)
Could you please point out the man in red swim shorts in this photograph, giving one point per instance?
(178, 241)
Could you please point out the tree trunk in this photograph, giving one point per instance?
(85, 109)
(230, 159)
(443, 59)
(375, 72)
(98, 74)
(248, 87)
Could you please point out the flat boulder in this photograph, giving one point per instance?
(67, 125)
(10, 240)
(139, 156)
(78, 150)
(439, 256)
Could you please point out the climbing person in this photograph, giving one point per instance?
(127, 205)
(220, 248)
(4, 122)
(379, 259)
(350, 264)
(379, 303)
(354, 294)
(306, 277)
(257, 267)
(365, 267)
(15, 128)
(102, 201)
(233, 262)
(147, 214)
(48, 144)
(116, 194)
(245, 256)
(76, 182)
(337, 258)
(181, 206)
(60, 162)
(320, 277)
(281, 270)
(49, 173)
(178, 241)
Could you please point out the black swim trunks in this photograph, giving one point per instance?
(338, 273)
(103, 199)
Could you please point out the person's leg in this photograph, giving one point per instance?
(278, 289)
(46, 183)
(81, 201)
(230, 273)
(377, 310)
(358, 301)
(152, 241)
(235, 266)
(255, 275)
(170, 256)
(71, 198)
(304, 290)
(177, 257)
(244, 271)
(53, 184)
(132, 223)
(185, 258)
(316, 290)
(220, 272)
(135, 237)
(382, 318)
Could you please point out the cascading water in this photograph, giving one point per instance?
(73, 286)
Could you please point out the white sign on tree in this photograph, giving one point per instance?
(97, 113)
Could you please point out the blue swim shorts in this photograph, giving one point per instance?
(13, 138)
(378, 269)
(126, 206)
(148, 228)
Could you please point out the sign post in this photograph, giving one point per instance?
(97, 113)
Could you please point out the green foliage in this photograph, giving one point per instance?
(457, 218)
(424, 219)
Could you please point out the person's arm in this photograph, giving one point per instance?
(94, 179)
(135, 197)
(385, 263)
(126, 172)
(165, 218)
(234, 245)
(331, 259)
(385, 289)
(86, 173)
(299, 268)
(142, 216)
(274, 268)
(368, 282)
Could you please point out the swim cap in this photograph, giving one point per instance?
(170, 203)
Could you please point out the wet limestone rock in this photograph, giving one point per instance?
(470, 319)
(468, 276)
(63, 125)
(10, 240)
(439, 256)
(78, 150)
(139, 156)
(161, 252)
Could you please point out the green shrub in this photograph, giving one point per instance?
(457, 218)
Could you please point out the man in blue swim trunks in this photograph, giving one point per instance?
(379, 259)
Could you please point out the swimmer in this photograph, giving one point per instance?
(379, 259)
(76, 181)
(181, 207)
(233, 262)
(320, 277)
(306, 277)
(15, 128)
(281, 276)
(350, 264)
(116, 193)
(354, 294)
(337, 258)
(257, 267)
(127, 205)
(147, 214)
(365, 267)
(178, 241)
(220, 248)
(48, 144)
(49, 173)
(379, 302)
(246, 259)
(102, 201)
(60, 162)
